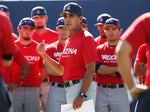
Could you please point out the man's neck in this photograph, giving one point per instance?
(24, 42)
(41, 30)
(114, 43)
(75, 31)
(62, 41)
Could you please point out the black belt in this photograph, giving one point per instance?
(46, 80)
(71, 83)
(111, 86)
(57, 84)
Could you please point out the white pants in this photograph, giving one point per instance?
(26, 99)
(114, 100)
(73, 91)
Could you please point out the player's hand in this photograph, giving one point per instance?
(11, 86)
(78, 102)
(139, 89)
(40, 48)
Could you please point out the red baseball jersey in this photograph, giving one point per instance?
(137, 34)
(79, 50)
(49, 36)
(19, 59)
(54, 50)
(99, 40)
(107, 57)
(142, 56)
(6, 39)
(35, 62)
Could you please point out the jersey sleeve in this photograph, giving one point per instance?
(138, 31)
(99, 54)
(141, 54)
(7, 43)
(89, 50)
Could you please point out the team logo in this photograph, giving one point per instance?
(70, 51)
(101, 19)
(68, 8)
(2, 9)
(38, 11)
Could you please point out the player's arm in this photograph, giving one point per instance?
(140, 68)
(105, 70)
(90, 69)
(25, 70)
(49, 71)
(123, 51)
(52, 64)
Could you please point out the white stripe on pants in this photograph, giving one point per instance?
(26, 99)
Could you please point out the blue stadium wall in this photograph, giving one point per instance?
(125, 10)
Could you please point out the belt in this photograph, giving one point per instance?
(70, 83)
(57, 84)
(46, 80)
(111, 86)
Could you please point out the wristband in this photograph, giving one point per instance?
(132, 89)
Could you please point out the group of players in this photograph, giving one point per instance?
(69, 66)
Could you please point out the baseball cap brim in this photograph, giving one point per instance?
(38, 15)
(98, 24)
(66, 12)
(60, 26)
(110, 25)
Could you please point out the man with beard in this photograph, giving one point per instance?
(39, 15)
(26, 96)
(111, 93)
(101, 19)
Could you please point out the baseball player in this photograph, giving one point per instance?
(137, 34)
(26, 96)
(111, 93)
(101, 19)
(6, 56)
(84, 24)
(140, 63)
(39, 15)
(77, 65)
(57, 93)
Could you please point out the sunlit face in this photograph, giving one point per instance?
(40, 21)
(63, 33)
(112, 33)
(101, 30)
(72, 21)
(26, 32)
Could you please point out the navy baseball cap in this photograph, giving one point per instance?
(60, 22)
(4, 8)
(27, 22)
(72, 8)
(112, 22)
(38, 11)
(101, 19)
(84, 20)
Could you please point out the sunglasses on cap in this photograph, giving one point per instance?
(27, 23)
